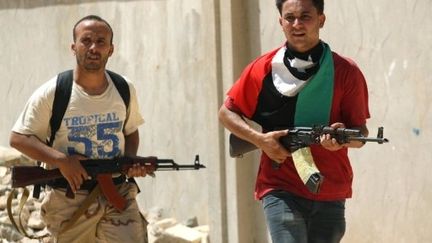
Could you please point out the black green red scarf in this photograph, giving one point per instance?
(314, 101)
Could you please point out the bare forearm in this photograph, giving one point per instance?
(234, 122)
(268, 142)
(31, 146)
(131, 149)
(131, 143)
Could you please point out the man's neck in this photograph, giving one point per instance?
(315, 52)
(93, 83)
(303, 65)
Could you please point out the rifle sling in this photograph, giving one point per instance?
(104, 181)
(21, 204)
(80, 211)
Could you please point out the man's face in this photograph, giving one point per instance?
(92, 46)
(300, 23)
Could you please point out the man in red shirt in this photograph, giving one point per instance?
(303, 83)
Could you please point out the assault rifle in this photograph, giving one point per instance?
(301, 137)
(101, 170)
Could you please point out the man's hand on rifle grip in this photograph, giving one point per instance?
(270, 143)
(136, 170)
(330, 143)
(72, 170)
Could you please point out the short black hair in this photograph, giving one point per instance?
(319, 5)
(96, 18)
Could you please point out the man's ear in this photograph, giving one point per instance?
(111, 50)
(73, 49)
(322, 19)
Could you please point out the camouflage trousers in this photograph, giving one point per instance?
(99, 223)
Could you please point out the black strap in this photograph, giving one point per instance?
(122, 87)
(61, 101)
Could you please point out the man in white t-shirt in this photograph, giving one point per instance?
(95, 125)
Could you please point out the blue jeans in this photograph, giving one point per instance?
(292, 219)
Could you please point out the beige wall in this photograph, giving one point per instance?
(391, 42)
(183, 56)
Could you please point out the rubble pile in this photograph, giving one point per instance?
(30, 215)
(168, 230)
(159, 229)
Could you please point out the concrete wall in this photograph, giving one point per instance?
(392, 202)
(183, 56)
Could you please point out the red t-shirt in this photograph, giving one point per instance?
(349, 106)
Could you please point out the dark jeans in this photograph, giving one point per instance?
(294, 219)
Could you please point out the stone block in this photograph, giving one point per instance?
(184, 233)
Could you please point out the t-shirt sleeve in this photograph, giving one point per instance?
(34, 119)
(243, 95)
(135, 118)
(355, 103)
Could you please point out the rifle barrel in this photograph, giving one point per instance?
(368, 139)
(169, 164)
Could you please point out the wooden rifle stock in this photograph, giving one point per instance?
(29, 175)
(238, 146)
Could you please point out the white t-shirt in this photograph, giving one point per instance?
(92, 124)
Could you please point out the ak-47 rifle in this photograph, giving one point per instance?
(301, 137)
(101, 170)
